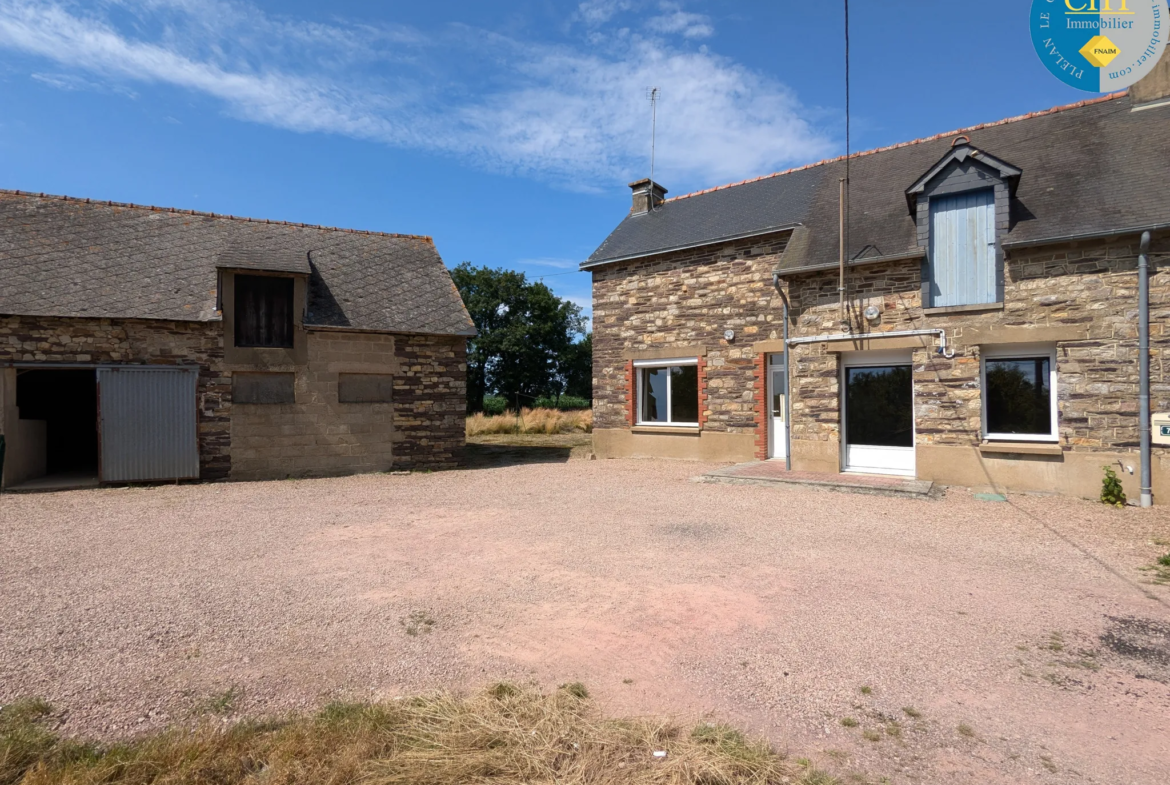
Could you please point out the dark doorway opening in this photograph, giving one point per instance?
(66, 400)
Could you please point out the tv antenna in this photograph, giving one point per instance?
(653, 93)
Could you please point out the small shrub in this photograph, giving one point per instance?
(912, 712)
(849, 722)
(1111, 490)
(1165, 560)
(494, 404)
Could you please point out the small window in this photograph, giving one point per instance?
(263, 388)
(1019, 395)
(264, 311)
(668, 392)
(365, 388)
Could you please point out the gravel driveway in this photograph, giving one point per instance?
(1023, 635)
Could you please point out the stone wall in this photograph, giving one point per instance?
(55, 340)
(687, 299)
(430, 401)
(317, 435)
(1082, 298)
(421, 427)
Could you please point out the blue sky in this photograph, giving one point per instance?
(507, 130)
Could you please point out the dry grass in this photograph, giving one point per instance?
(531, 421)
(507, 735)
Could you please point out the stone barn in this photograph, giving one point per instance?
(145, 344)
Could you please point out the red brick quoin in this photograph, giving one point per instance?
(631, 395)
(761, 400)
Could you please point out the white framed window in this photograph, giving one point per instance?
(1018, 385)
(668, 392)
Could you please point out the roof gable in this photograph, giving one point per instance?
(960, 152)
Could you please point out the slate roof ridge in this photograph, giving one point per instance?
(899, 145)
(179, 211)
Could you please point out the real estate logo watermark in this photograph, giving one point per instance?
(1099, 45)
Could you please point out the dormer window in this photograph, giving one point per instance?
(265, 292)
(961, 206)
(264, 311)
(962, 249)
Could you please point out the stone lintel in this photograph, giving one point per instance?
(874, 344)
(972, 336)
(672, 352)
(1021, 448)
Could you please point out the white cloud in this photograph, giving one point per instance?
(680, 22)
(571, 114)
(596, 12)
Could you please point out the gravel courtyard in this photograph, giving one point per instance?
(1023, 637)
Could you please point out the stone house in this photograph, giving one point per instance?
(149, 344)
(986, 335)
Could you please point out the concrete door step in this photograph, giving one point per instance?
(773, 473)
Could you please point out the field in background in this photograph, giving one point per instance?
(531, 421)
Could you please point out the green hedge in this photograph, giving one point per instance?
(493, 404)
(496, 404)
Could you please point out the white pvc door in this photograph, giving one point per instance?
(877, 402)
(777, 395)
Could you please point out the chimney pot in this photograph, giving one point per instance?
(647, 196)
(1154, 87)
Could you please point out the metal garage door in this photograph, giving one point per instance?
(148, 424)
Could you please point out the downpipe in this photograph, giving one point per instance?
(1144, 366)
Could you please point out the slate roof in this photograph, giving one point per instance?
(295, 262)
(1091, 167)
(62, 256)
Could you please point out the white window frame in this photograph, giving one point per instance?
(1018, 351)
(641, 365)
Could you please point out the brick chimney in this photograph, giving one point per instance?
(1154, 87)
(647, 195)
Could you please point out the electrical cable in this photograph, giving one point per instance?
(848, 148)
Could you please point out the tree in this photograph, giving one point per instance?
(577, 369)
(526, 338)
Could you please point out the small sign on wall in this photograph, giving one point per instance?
(1161, 428)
